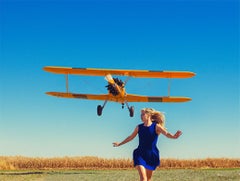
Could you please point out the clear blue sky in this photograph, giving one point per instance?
(199, 36)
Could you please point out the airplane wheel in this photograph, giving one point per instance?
(99, 110)
(131, 110)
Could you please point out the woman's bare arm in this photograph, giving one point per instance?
(160, 129)
(129, 138)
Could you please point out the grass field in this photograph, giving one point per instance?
(19, 168)
(122, 175)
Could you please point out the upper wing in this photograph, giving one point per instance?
(129, 97)
(131, 73)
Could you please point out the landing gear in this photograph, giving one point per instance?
(131, 111)
(99, 110)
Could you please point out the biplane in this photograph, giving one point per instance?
(116, 87)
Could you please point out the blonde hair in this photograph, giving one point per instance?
(156, 116)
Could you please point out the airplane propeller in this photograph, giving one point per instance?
(113, 84)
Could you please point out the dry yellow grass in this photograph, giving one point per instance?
(201, 163)
(34, 163)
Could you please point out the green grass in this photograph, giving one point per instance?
(123, 175)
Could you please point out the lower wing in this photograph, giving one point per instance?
(79, 96)
(139, 98)
(128, 98)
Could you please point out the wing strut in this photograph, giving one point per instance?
(66, 82)
(127, 79)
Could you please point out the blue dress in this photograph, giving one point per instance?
(147, 154)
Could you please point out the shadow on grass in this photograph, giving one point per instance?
(47, 173)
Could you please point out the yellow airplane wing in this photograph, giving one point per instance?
(139, 98)
(103, 97)
(128, 98)
(79, 96)
(131, 73)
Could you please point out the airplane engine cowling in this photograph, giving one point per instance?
(112, 89)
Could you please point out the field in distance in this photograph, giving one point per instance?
(95, 168)
(37, 163)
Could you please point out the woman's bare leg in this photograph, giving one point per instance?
(142, 172)
(149, 174)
